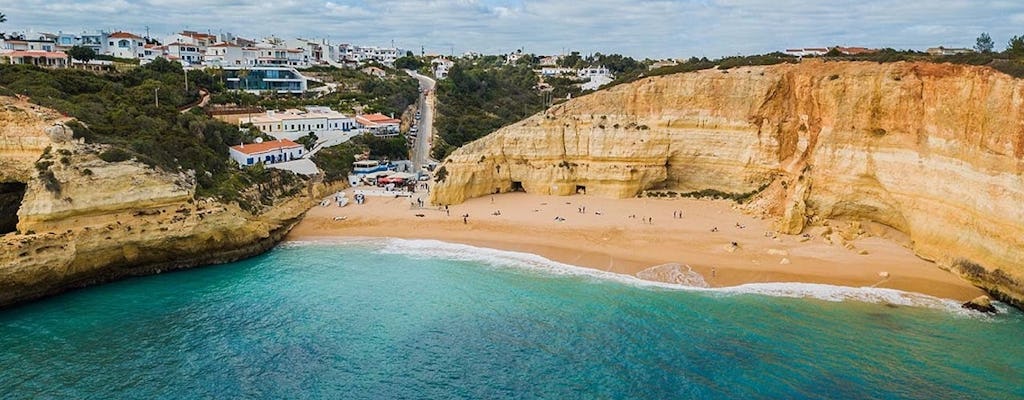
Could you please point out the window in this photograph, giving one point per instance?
(248, 161)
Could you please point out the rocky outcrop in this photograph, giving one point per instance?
(982, 304)
(84, 221)
(932, 150)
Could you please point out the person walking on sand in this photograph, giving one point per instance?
(465, 219)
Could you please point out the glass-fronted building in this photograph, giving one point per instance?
(265, 79)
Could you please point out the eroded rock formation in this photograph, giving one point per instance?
(83, 220)
(932, 150)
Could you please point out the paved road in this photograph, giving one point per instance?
(421, 149)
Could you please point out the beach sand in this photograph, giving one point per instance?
(607, 237)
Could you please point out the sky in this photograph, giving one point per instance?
(642, 29)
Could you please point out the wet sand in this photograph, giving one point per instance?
(608, 237)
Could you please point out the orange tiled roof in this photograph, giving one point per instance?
(254, 148)
(123, 35)
(379, 118)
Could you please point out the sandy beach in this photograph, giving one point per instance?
(627, 236)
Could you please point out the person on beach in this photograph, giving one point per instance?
(714, 272)
(465, 219)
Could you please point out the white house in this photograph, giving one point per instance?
(296, 123)
(225, 54)
(441, 67)
(948, 51)
(556, 71)
(596, 77)
(596, 82)
(270, 152)
(807, 51)
(379, 124)
(512, 58)
(125, 45)
(312, 51)
(188, 54)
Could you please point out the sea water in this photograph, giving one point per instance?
(392, 318)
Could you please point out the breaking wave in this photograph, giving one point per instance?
(666, 276)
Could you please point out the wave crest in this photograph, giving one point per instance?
(666, 276)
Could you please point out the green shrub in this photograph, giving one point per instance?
(115, 155)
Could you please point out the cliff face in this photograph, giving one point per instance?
(934, 151)
(83, 220)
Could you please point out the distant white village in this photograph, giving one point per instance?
(270, 64)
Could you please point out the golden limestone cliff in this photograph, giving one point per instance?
(932, 150)
(82, 220)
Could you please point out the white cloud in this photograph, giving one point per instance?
(644, 28)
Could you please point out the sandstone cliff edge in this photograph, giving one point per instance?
(932, 150)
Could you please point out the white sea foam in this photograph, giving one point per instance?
(433, 249)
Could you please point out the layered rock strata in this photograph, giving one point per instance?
(83, 221)
(932, 150)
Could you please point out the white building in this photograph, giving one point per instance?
(512, 58)
(125, 45)
(948, 51)
(596, 77)
(225, 54)
(441, 67)
(296, 123)
(807, 52)
(270, 152)
(557, 71)
(362, 54)
(379, 124)
(186, 53)
(312, 51)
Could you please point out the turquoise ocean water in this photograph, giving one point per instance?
(393, 318)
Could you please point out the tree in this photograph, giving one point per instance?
(309, 141)
(82, 53)
(1015, 48)
(984, 44)
(408, 62)
(570, 60)
(3, 18)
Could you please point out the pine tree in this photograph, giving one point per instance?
(984, 43)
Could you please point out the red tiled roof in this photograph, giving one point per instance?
(35, 53)
(379, 118)
(253, 148)
(123, 35)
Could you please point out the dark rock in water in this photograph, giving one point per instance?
(980, 303)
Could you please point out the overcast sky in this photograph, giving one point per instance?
(654, 29)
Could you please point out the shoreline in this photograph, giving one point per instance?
(605, 236)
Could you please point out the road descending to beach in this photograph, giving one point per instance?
(627, 236)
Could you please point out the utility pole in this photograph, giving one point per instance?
(186, 78)
(156, 94)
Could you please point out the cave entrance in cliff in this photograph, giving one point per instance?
(580, 189)
(11, 194)
(517, 187)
